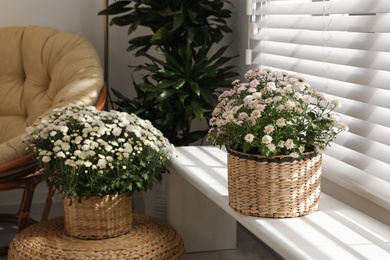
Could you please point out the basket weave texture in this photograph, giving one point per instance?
(281, 187)
(98, 217)
(149, 238)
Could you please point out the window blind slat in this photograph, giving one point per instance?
(373, 78)
(360, 93)
(363, 111)
(333, 7)
(349, 57)
(360, 41)
(367, 23)
(366, 147)
(360, 161)
(369, 130)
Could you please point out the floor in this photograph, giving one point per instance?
(248, 247)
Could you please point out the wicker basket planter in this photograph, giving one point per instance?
(98, 217)
(282, 187)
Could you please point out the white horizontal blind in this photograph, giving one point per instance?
(341, 47)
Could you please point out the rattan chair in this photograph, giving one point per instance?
(40, 69)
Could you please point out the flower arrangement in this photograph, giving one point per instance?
(86, 152)
(275, 113)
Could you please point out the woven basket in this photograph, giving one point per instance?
(281, 187)
(98, 217)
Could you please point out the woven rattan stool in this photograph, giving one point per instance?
(149, 239)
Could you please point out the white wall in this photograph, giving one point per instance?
(80, 16)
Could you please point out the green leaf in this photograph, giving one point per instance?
(162, 35)
(177, 22)
(247, 147)
(180, 83)
(193, 16)
(195, 88)
(116, 8)
(165, 94)
(195, 109)
(208, 97)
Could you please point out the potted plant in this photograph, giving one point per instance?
(278, 126)
(90, 155)
(185, 68)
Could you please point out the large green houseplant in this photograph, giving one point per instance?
(185, 69)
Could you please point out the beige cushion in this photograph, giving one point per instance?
(40, 69)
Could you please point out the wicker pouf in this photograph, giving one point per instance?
(148, 239)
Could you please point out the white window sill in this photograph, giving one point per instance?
(375, 190)
(335, 231)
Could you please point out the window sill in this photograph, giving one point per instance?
(358, 189)
(335, 231)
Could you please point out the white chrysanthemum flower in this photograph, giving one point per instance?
(79, 162)
(90, 153)
(336, 103)
(116, 131)
(241, 89)
(60, 154)
(341, 126)
(290, 104)
(289, 144)
(84, 155)
(42, 152)
(256, 114)
(70, 163)
(287, 89)
(297, 95)
(281, 122)
(249, 138)
(63, 129)
(299, 110)
(85, 147)
(266, 139)
(242, 116)
(101, 130)
(248, 99)
(307, 99)
(257, 95)
(334, 117)
(65, 146)
(278, 74)
(270, 86)
(102, 163)
(56, 149)
(46, 159)
(78, 139)
(251, 120)
(277, 99)
(269, 129)
(271, 147)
